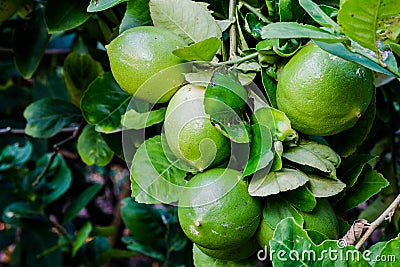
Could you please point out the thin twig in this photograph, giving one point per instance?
(238, 60)
(232, 30)
(384, 216)
(256, 12)
(11, 131)
(56, 149)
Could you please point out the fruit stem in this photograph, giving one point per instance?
(238, 60)
(386, 215)
(232, 30)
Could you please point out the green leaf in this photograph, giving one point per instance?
(340, 50)
(315, 155)
(275, 120)
(81, 201)
(323, 187)
(301, 198)
(135, 120)
(62, 15)
(110, 254)
(200, 259)
(81, 237)
(351, 168)
(57, 179)
(269, 85)
(46, 117)
(100, 5)
(366, 186)
(147, 250)
(143, 221)
(188, 19)
(154, 178)
(319, 15)
(15, 213)
(389, 251)
(30, 42)
(287, 30)
(137, 14)
(261, 154)
(14, 155)
(346, 143)
(275, 182)
(292, 244)
(104, 103)
(79, 72)
(276, 209)
(92, 148)
(376, 208)
(201, 51)
(360, 20)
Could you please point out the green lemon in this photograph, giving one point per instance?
(8, 8)
(235, 253)
(189, 132)
(264, 234)
(216, 211)
(138, 54)
(323, 94)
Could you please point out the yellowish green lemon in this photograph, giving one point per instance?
(323, 94)
(140, 53)
(218, 213)
(189, 132)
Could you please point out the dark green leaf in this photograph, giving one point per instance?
(154, 178)
(188, 19)
(319, 15)
(100, 5)
(261, 153)
(105, 112)
(276, 209)
(57, 179)
(135, 120)
(366, 186)
(137, 14)
(7, 238)
(62, 15)
(301, 198)
(352, 167)
(16, 212)
(92, 148)
(46, 117)
(79, 72)
(376, 208)
(81, 237)
(81, 201)
(30, 42)
(287, 30)
(204, 50)
(290, 239)
(147, 250)
(14, 155)
(275, 182)
(322, 187)
(143, 221)
(315, 155)
(289, 10)
(110, 254)
(270, 86)
(390, 252)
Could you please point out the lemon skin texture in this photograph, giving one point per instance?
(237, 253)
(189, 132)
(230, 219)
(323, 94)
(8, 8)
(141, 52)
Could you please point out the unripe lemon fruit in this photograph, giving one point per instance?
(189, 132)
(141, 52)
(218, 213)
(323, 94)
